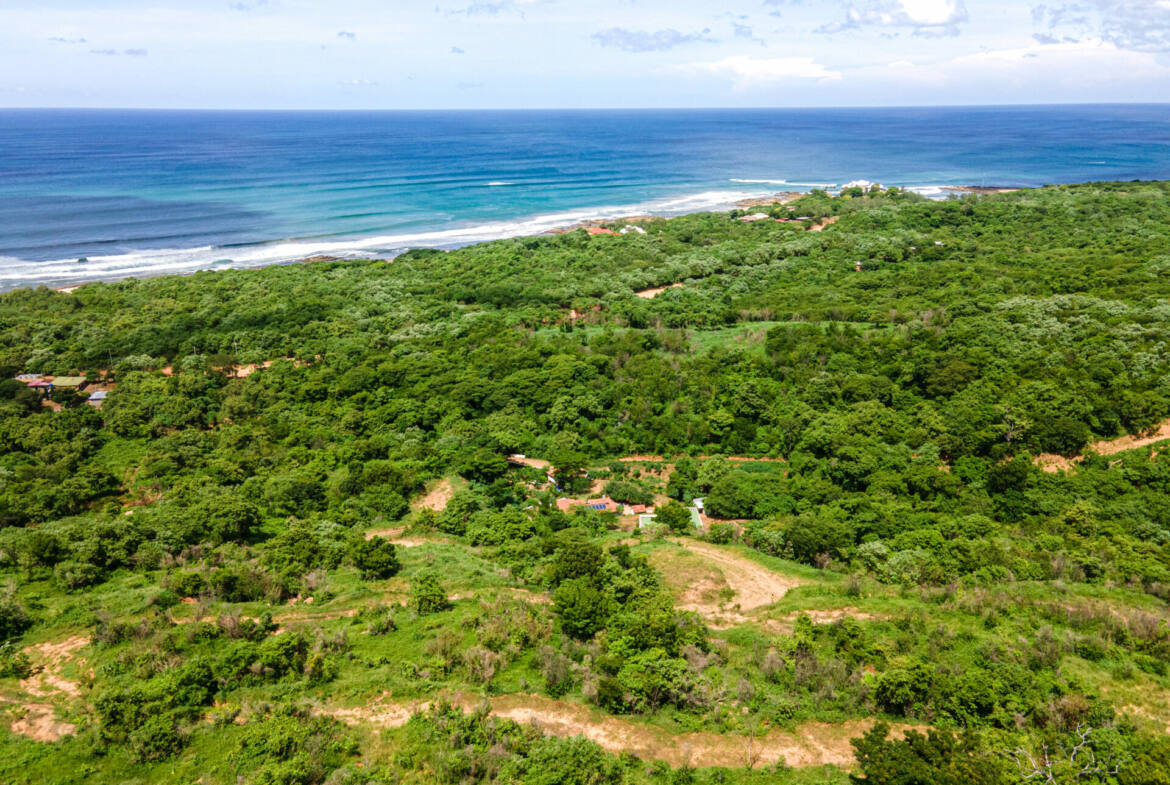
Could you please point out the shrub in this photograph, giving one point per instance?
(376, 558)
(582, 608)
(675, 517)
(238, 583)
(809, 536)
(155, 739)
(557, 670)
(484, 466)
(73, 575)
(427, 594)
(576, 558)
(291, 749)
(628, 492)
(186, 584)
(14, 664)
(720, 533)
(14, 619)
(937, 758)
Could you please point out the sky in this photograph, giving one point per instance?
(527, 54)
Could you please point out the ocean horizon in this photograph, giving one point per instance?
(107, 194)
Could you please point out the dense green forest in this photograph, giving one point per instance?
(312, 534)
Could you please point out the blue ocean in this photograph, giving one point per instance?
(99, 195)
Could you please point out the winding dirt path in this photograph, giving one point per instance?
(1050, 462)
(754, 584)
(394, 535)
(721, 585)
(811, 744)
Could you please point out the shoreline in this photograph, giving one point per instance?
(783, 197)
(980, 189)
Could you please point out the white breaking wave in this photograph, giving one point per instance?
(22, 272)
(930, 191)
(785, 182)
(496, 184)
(65, 272)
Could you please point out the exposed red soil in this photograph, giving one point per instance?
(650, 294)
(1050, 462)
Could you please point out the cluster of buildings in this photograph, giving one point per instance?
(627, 229)
(644, 512)
(46, 385)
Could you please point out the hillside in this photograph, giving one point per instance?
(378, 522)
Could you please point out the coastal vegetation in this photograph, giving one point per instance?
(312, 532)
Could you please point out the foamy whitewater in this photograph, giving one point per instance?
(102, 195)
(179, 260)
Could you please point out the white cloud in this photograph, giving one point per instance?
(1070, 65)
(643, 41)
(748, 72)
(1141, 25)
(926, 17)
(931, 12)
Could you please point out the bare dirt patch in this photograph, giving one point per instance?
(36, 718)
(306, 618)
(754, 585)
(1050, 462)
(524, 460)
(50, 682)
(394, 535)
(768, 201)
(697, 584)
(650, 294)
(244, 371)
(810, 744)
(38, 722)
(721, 585)
(437, 497)
(414, 542)
(827, 222)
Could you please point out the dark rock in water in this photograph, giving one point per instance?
(83, 260)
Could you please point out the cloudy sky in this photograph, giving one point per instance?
(408, 54)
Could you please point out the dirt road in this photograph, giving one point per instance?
(810, 744)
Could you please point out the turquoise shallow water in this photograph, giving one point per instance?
(140, 192)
